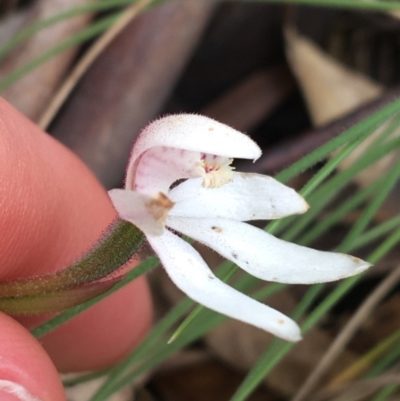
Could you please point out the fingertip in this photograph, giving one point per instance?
(104, 334)
(24, 365)
(53, 210)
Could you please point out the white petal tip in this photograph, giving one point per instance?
(293, 202)
(299, 204)
(288, 330)
(353, 267)
(359, 264)
(296, 339)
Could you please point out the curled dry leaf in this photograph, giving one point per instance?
(332, 90)
(31, 93)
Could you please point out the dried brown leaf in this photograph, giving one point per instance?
(332, 90)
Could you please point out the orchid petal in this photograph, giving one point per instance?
(266, 257)
(194, 133)
(190, 273)
(146, 212)
(159, 167)
(246, 197)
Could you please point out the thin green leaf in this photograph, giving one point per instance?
(208, 320)
(348, 4)
(29, 31)
(85, 34)
(384, 190)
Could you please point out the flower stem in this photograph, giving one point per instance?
(117, 245)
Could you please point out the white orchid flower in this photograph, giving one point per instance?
(210, 206)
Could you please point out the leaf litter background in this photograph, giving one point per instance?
(281, 73)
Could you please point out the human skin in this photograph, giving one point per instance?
(52, 209)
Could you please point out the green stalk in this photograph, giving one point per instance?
(118, 245)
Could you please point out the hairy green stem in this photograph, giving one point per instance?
(118, 245)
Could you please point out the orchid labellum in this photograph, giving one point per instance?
(179, 179)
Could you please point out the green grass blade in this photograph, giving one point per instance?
(376, 232)
(29, 31)
(338, 214)
(85, 34)
(206, 322)
(347, 4)
(384, 190)
(370, 124)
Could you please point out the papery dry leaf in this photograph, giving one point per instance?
(32, 93)
(332, 90)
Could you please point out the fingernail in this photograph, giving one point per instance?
(10, 391)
